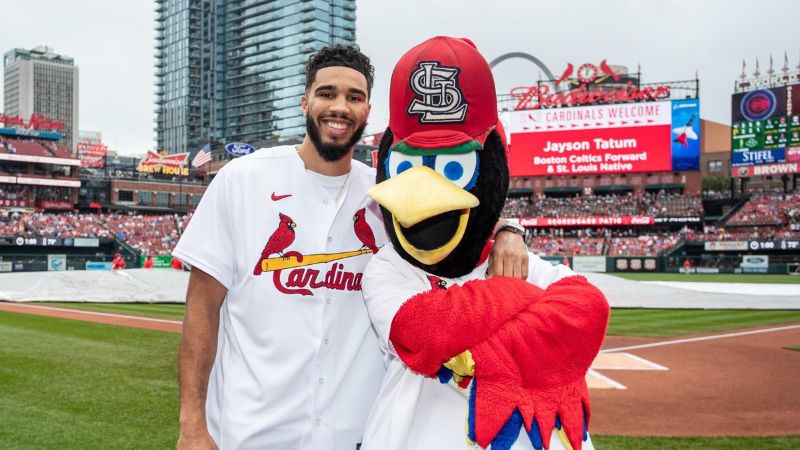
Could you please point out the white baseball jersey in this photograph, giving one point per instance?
(413, 411)
(298, 364)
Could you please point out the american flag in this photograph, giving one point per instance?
(202, 157)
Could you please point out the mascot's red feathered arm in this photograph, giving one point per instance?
(531, 350)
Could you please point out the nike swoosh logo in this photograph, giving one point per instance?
(275, 198)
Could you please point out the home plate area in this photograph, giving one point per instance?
(616, 361)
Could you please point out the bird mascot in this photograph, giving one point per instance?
(498, 362)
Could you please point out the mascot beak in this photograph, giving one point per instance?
(419, 195)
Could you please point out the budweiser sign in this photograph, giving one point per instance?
(167, 165)
(36, 121)
(585, 87)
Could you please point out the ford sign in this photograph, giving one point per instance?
(238, 149)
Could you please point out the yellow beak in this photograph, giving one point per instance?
(419, 194)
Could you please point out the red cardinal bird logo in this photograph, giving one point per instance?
(436, 282)
(565, 76)
(279, 241)
(363, 230)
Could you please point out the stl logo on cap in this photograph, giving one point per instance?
(442, 100)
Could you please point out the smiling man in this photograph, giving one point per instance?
(277, 348)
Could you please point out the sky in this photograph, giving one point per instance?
(112, 43)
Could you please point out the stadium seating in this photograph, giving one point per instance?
(769, 209)
(657, 205)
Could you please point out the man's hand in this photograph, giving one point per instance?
(509, 256)
(196, 440)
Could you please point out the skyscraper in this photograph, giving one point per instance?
(233, 71)
(38, 81)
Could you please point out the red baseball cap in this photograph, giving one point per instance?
(442, 94)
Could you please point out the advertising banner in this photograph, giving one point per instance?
(167, 165)
(686, 134)
(681, 220)
(753, 157)
(56, 262)
(590, 221)
(755, 261)
(766, 169)
(725, 246)
(98, 265)
(621, 138)
(5, 266)
(589, 263)
(84, 242)
(159, 261)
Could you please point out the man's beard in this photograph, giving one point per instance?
(331, 151)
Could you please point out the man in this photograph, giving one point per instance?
(277, 349)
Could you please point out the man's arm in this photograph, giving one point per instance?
(198, 348)
(509, 255)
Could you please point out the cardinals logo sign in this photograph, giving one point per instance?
(275, 258)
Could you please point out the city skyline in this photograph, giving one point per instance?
(670, 41)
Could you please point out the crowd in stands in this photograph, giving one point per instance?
(149, 234)
(67, 225)
(768, 209)
(598, 242)
(650, 244)
(648, 204)
(764, 216)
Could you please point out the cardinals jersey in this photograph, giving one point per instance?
(298, 364)
(413, 411)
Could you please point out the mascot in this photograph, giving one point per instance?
(497, 362)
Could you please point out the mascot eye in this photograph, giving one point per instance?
(461, 169)
(398, 163)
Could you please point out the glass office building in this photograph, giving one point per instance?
(233, 71)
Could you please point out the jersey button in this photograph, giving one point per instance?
(328, 300)
(321, 381)
(325, 201)
(330, 239)
(327, 341)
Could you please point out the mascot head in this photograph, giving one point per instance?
(442, 171)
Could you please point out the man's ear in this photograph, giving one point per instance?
(304, 104)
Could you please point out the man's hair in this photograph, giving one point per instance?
(338, 55)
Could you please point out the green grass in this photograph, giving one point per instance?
(695, 443)
(677, 322)
(712, 277)
(158, 310)
(624, 321)
(76, 385)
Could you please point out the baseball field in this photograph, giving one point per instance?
(666, 378)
